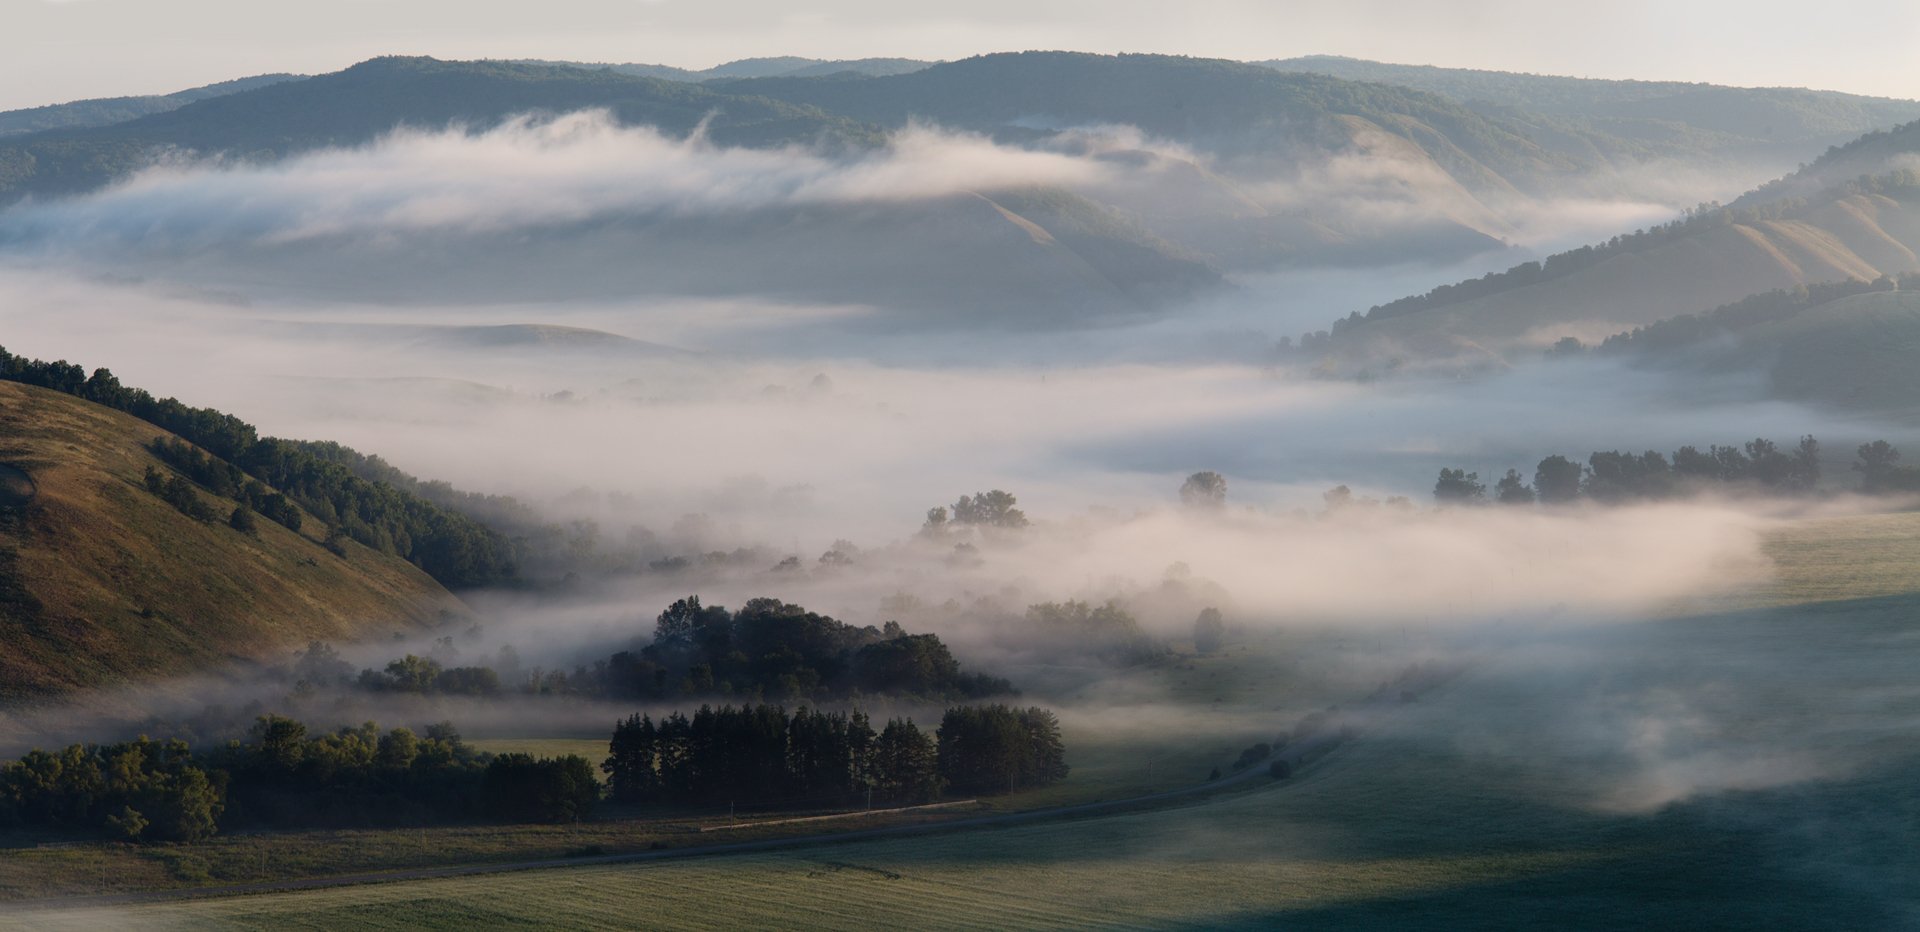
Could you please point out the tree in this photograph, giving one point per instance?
(519, 787)
(1557, 480)
(242, 520)
(906, 764)
(1204, 490)
(988, 509)
(1879, 466)
(1457, 486)
(1209, 631)
(1513, 489)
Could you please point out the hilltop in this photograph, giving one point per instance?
(103, 582)
(372, 98)
(1671, 118)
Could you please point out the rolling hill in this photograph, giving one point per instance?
(1849, 347)
(1858, 231)
(369, 99)
(104, 111)
(103, 582)
(1640, 117)
(1237, 112)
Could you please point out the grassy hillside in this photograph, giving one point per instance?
(1711, 260)
(1743, 764)
(103, 582)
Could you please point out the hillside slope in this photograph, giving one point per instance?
(1715, 260)
(362, 102)
(103, 582)
(104, 111)
(1657, 117)
(1236, 112)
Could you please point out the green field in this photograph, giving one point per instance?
(1739, 767)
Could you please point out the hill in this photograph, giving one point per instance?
(1846, 345)
(1859, 231)
(104, 582)
(1873, 154)
(779, 66)
(1653, 117)
(362, 102)
(1243, 113)
(102, 111)
(1054, 257)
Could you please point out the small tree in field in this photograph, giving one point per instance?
(1204, 490)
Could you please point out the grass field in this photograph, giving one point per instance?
(1738, 767)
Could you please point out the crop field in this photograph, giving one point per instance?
(1733, 768)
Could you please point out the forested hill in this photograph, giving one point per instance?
(1660, 115)
(116, 567)
(230, 459)
(1873, 154)
(103, 111)
(1230, 109)
(371, 98)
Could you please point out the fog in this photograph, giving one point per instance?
(326, 297)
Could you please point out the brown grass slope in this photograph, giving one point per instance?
(102, 582)
(1854, 236)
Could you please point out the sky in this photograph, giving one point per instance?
(58, 50)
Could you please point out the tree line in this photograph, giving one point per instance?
(1612, 476)
(775, 648)
(768, 648)
(761, 756)
(283, 776)
(453, 548)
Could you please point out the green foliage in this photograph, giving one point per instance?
(761, 756)
(522, 788)
(141, 790)
(1459, 487)
(1613, 477)
(996, 749)
(1106, 630)
(776, 648)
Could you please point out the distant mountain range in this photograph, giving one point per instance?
(1221, 166)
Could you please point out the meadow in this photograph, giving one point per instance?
(1739, 766)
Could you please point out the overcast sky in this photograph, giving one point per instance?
(58, 50)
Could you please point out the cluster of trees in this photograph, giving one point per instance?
(175, 490)
(775, 648)
(987, 748)
(1880, 470)
(282, 776)
(1106, 630)
(225, 480)
(993, 509)
(1613, 476)
(138, 791)
(761, 756)
(452, 547)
